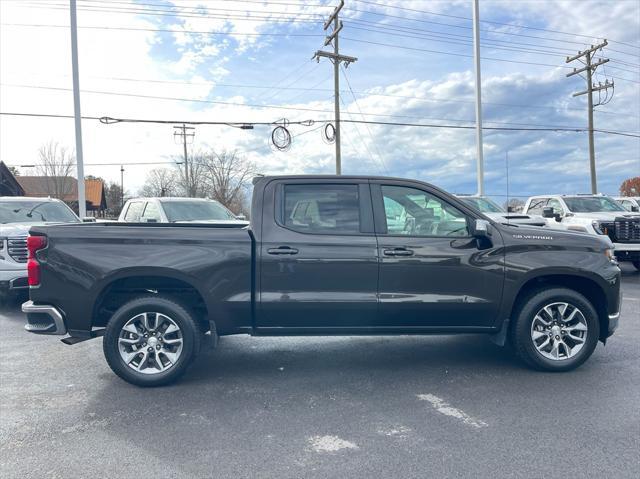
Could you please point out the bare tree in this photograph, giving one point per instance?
(57, 165)
(161, 182)
(196, 185)
(228, 175)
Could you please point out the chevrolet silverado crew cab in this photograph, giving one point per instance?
(593, 214)
(323, 255)
(17, 215)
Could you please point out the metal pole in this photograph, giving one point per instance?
(82, 207)
(592, 152)
(476, 61)
(121, 186)
(186, 165)
(336, 86)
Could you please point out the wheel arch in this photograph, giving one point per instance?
(125, 285)
(587, 286)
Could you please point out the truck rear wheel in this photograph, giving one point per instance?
(150, 341)
(555, 330)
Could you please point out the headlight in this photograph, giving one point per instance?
(598, 227)
(609, 253)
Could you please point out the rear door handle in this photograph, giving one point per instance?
(282, 250)
(398, 252)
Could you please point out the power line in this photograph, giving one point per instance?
(489, 21)
(314, 89)
(470, 56)
(380, 157)
(197, 100)
(484, 43)
(369, 122)
(461, 37)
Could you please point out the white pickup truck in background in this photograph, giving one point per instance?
(178, 210)
(593, 214)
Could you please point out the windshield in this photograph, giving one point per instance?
(196, 211)
(483, 204)
(36, 212)
(591, 204)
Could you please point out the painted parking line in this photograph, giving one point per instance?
(330, 444)
(445, 408)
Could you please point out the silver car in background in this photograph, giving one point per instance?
(17, 215)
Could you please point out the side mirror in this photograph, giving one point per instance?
(480, 229)
(510, 209)
(547, 212)
(241, 217)
(88, 219)
(635, 208)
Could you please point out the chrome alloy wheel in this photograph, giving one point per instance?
(559, 331)
(150, 343)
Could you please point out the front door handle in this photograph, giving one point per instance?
(282, 250)
(398, 252)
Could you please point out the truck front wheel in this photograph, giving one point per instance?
(556, 329)
(150, 341)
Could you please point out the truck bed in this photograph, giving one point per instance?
(83, 262)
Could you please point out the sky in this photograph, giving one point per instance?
(251, 61)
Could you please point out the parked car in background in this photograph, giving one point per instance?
(629, 203)
(178, 210)
(17, 215)
(593, 214)
(324, 255)
(497, 213)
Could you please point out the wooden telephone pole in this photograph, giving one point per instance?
(335, 58)
(586, 57)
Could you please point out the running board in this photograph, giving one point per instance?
(71, 340)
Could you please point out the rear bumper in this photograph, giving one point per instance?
(43, 319)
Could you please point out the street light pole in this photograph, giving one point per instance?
(82, 206)
(121, 186)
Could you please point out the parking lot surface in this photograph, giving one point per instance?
(323, 407)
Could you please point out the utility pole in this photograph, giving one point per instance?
(336, 59)
(476, 62)
(82, 205)
(586, 58)
(182, 132)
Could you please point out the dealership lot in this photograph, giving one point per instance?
(323, 407)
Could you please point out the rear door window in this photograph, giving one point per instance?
(322, 209)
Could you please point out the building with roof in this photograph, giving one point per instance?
(66, 189)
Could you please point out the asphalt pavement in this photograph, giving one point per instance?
(439, 406)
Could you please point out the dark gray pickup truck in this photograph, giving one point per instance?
(323, 255)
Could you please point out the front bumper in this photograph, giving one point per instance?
(43, 319)
(12, 280)
(627, 251)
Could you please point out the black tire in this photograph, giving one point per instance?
(521, 334)
(636, 265)
(159, 304)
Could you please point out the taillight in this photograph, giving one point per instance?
(34, 244)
